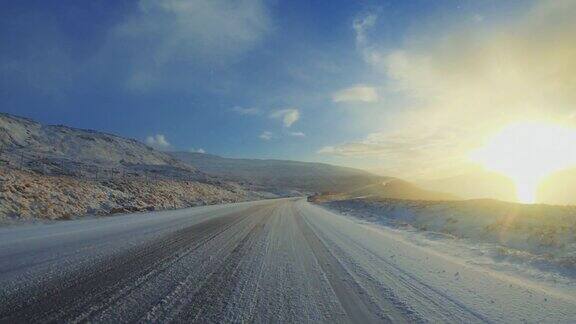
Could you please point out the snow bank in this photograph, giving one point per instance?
(541, 235)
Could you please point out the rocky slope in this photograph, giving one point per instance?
(29, 195)
(52, 172)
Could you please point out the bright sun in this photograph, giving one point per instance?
(528, 152)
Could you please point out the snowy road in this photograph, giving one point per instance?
(269, 261)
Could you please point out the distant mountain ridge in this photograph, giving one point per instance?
(307, 177)
(400, 189)
(556, 189)
(281, 174)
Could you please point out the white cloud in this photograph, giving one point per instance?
(297, 134)
(266, 136)
(358, 93)
(246, 110)
(288, 116)
(361, 25)
(158, 141)
(412, 153)
(189, 32)
(199, 150)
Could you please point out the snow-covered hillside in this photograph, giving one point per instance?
(56, 150)
(58, 172)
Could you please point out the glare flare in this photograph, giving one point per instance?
(528, 152)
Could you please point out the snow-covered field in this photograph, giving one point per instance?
(537, 241)
(282, 260)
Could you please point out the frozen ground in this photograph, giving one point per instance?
(538, 240)
(269, 261)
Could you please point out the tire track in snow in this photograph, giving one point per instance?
(433, 300)
(210, 299)
(81, 293)
(355, 301)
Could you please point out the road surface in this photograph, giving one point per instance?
(269, 261)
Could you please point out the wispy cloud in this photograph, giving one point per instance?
(466, 82)
(189, 32)
(405, 153)
(266, 136)
(297, 134)
(358, 93)
(288, 116)
(158, 141)
(155, 45)
(361, 25)
(246, 110)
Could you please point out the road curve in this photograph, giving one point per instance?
(268, 261)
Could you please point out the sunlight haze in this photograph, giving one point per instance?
(402, 89)
(528, 153)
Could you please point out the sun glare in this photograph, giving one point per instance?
(528, 152)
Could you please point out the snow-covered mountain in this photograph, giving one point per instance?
(55, 172)
(26, 144)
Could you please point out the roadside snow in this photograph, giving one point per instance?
(437, 280)
(538, 242)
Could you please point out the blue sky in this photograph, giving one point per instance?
(333, 81)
